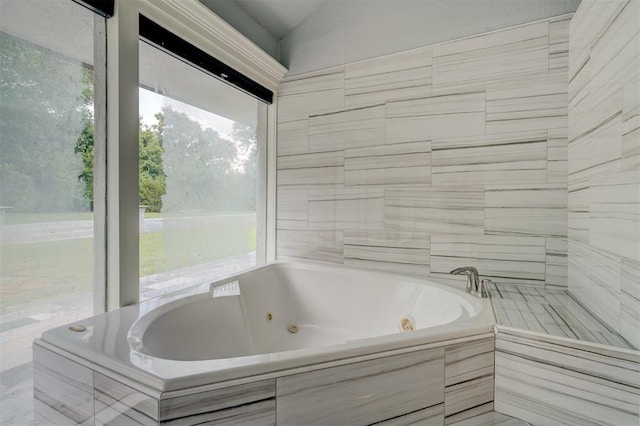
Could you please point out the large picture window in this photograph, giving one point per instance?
(51, 65)
(199, 162)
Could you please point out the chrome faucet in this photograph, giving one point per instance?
(474, 285)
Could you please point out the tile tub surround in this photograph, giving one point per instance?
(603, 162)
(444, 383)
(545, 380)
(433, 158)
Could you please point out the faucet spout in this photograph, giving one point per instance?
(473, 278)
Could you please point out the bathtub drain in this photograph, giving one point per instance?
(293, 329)
(77, 328)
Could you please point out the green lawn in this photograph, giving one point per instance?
(36, 271)
(24, 218)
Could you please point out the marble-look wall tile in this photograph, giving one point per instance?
(434, 128)
(398, 76)
(557, 155)
(435, 117)
(614, 214)
(556, 262)
(63, 385)
(116, 403)
(292, 208)
(310, 245)
(366, 392)
(468, 399)
(609, 47)
(559, 43)
(311, 177)
(604, 284)
(468, 379)
(435, 208)
(537, 103)
(507, 158)
(492, 418)
(301, 96)
(630, 301)
(216, 400)
(406, 163)
(516, 259)
(347, 129)
(601, 146)
(405, 253)
(262, 413)
(631, 125)
(44, 415)
(590, 20)
(546, 380)
(293, 137)
(343, 207)
(604, 177)
(313, 160)
(578, 215)
(538, 210)
(432, 416)
(474, 61)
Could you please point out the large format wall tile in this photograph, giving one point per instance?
(320, 92)
(321, 245)
(435, 117)
(526, 210)
(603, 166)
(406, 253)
(559, 44)
(406, 163)
(116, 403)
(630, 301)
(515, 259)
(359, 208)
(446, 132)
(216, 400)
(366, 392)
(468, 379)
(492, 159)
(546, 380)
(347, 129)
(398, 76)
(62, 385)
(435, 208)
(474, 61)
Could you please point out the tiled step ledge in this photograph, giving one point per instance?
(545, 379)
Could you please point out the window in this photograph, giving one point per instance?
(199, 162)
(51, 64)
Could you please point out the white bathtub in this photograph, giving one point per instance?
(242, 326)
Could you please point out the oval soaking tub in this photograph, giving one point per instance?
(281, 308)
(274, 323)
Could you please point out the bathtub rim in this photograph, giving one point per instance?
(209, 372)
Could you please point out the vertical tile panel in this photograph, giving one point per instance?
(468, 379)
(364, 392)
(63, 385)
(117, 403)
(545, 381)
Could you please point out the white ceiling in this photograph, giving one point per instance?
(279, 17)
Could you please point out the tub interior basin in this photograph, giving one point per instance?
(282, 308)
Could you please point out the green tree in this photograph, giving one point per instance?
(246, 136)
(152, 178)
(198, 163)
(85, 142)
(40, 121)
